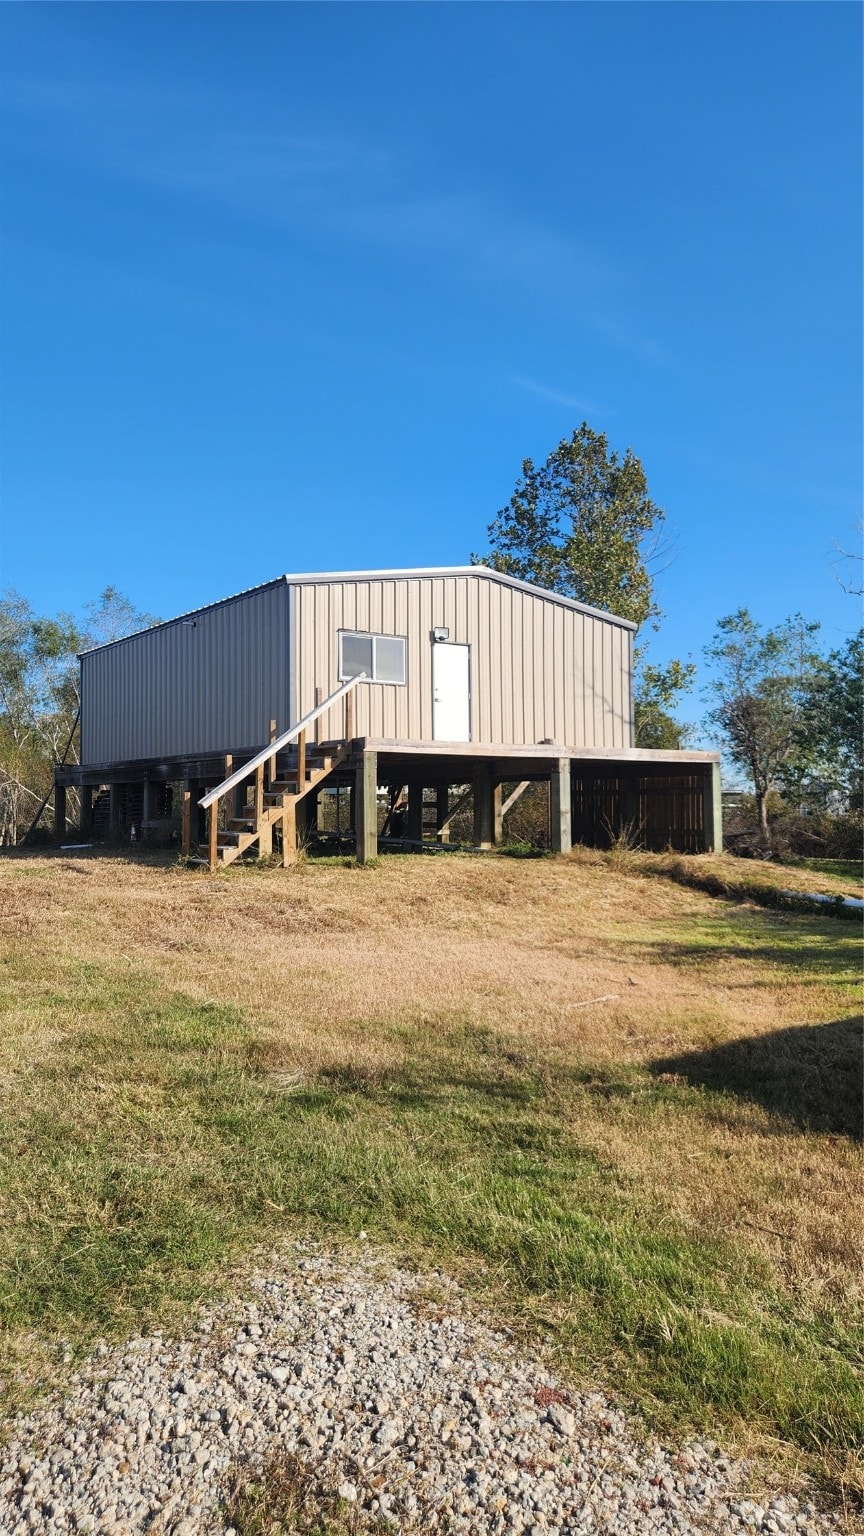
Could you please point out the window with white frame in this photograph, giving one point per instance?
(381, 657)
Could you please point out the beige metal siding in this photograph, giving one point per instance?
(210, 684)
(539, 669)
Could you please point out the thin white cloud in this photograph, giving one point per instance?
(332, 188)
(335, 184)
(558, 396)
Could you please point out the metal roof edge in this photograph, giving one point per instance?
(310, 578)
(180, 618)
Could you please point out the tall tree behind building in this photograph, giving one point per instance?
(762, 687)
(584, 524)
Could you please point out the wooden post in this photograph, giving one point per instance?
(484, 819)
(301, 761)
(86, 819)
(302, 811)
(713, 810)
(628, 809)
(318, 694)
(442, 806)
(231, 800)
(414, 816)
(188, 788)
(366, 807)
(271, 762)
(395, 793)
(59, 813)
(497, 813)
(146, 808)
(264, 829)
(289, 831)
(453, 812)
(114, 799)
(349, 716)
(238, 801)
(515, 795)
(560, 839)
(213, 836)
(259, 793)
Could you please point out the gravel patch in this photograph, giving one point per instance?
(420, 1415)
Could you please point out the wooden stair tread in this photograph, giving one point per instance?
(246, 828)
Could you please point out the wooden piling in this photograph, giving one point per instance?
(560, 814)
(85, 826)
(484, 808)
(59, 813)
(115, 797)
(713, 810)
(366, 807)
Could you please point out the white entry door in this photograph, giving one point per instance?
(451, 692)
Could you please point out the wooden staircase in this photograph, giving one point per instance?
(275, 805)
(280, 776)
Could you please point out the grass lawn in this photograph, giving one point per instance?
(624, 1111)
(843, 869)
(755, 880)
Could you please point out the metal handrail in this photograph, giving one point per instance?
(273, 747)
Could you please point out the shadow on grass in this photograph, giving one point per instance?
(811, 1073)
(418, 1090)
(804, 949)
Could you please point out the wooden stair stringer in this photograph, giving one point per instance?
(314, 780)
(245, 830)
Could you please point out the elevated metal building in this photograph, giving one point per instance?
(404, 679)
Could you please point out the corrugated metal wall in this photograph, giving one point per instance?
(185, 688)
(539, 669)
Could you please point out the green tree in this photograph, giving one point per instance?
(582, 524)
(37, 707)
(832, 732)
(762, 688)
(112, 617)
(16, 619)
(39, 693)
(657, 689)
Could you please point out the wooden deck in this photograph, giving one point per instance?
(668, 798)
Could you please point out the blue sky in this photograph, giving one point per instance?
(297, 287)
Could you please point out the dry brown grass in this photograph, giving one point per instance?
(351, 978)
(761, 880)
(340, 966)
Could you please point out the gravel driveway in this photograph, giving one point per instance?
(417, 1413)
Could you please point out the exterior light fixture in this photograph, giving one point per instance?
(442, 633)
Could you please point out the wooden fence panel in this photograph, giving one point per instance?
(653, 811)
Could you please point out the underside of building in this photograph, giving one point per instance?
(368, 794)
